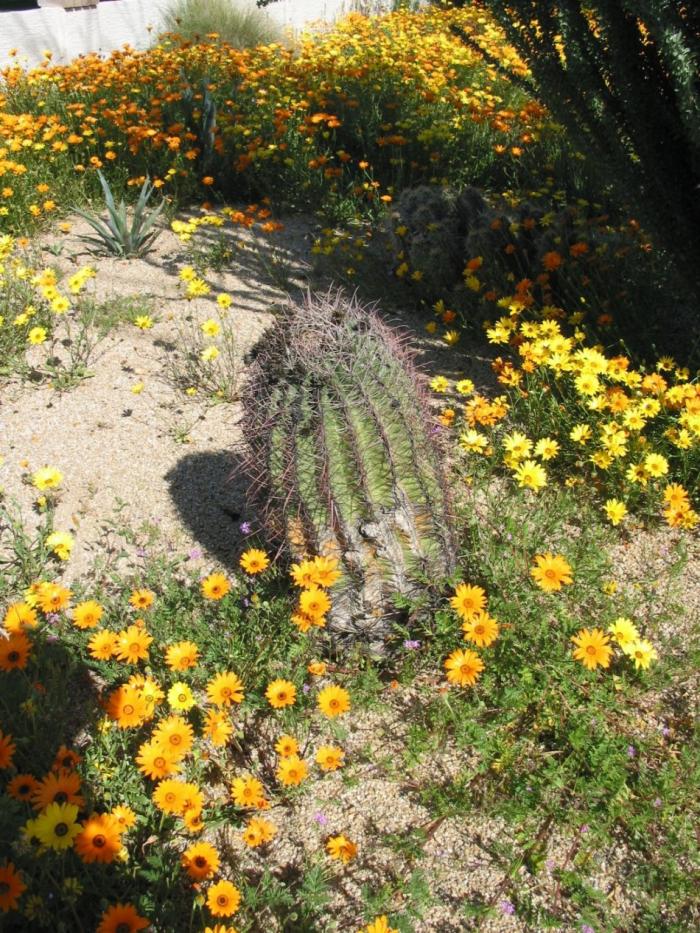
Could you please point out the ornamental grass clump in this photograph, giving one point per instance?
(342, 461)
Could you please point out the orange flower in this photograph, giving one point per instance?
(341, 848)
(100, 839)
(53, 597)
(87, 614)
(182, 655)
(61, 787)
(22, 786)
(281, 693)
(224, 689)
(103, 645)
(223, 899)
(18, 617)
(122, 918)
(200, 861)
(132, 645)
(65, 759)
(11, 887)
(155, 762)
(14, 652)
(141, 599)
(7, 750)
(215, 586)
(127, 707)
(174, 735)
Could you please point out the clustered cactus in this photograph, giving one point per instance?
(339, 448)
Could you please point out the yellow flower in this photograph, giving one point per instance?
(439, 384)
(215, 586)
(37, 335)
(180, 696)
(333, 701)
(143, 321)
(60, 304)
(580, 433)
(61, 543)
(551, 571)
(481, 630)
(187, 273)
(281, 693)
(463, 667)
(615, 511)
(286, 745)
(531, 475)
(330, 757)
(292, 771)
(655, 465)
(546, 448)
(197, 288)
(341, 848)
(47, 478)
(468, 601)
(473, 442)
(254, 561)
(210, 327)
(592, 648)
(224, 301)
(642, 653)
(209, 354)
(623, 631)
(465, 387)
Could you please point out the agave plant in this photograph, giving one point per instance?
(116, 235)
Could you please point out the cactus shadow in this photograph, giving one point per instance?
(209, 492)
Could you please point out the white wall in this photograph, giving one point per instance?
(110, 25)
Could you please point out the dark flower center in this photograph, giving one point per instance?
(61, 829)
(99, 841)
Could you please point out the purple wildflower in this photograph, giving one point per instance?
(507, 907)
(244, 528)
(411, 643)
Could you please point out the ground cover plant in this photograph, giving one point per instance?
(186, 744)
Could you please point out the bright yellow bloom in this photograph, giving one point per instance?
(341, 848)
(530, 475)
(468, 600)
(333, 701)
(291, 771)
(551, 572)
(592, 648)
(254, 561)
(463, 667)
(47, 478)
(642, 653)
(481, 630)
(615, 511)
(281, 693)
(215, 586)
(330, 757)
(623, 631)
(180, 696)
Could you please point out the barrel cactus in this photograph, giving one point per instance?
(342, 461)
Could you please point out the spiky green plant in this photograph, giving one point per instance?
(623, 77)
(343, 462)
(117, 235)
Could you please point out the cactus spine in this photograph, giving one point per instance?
(339, 449)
